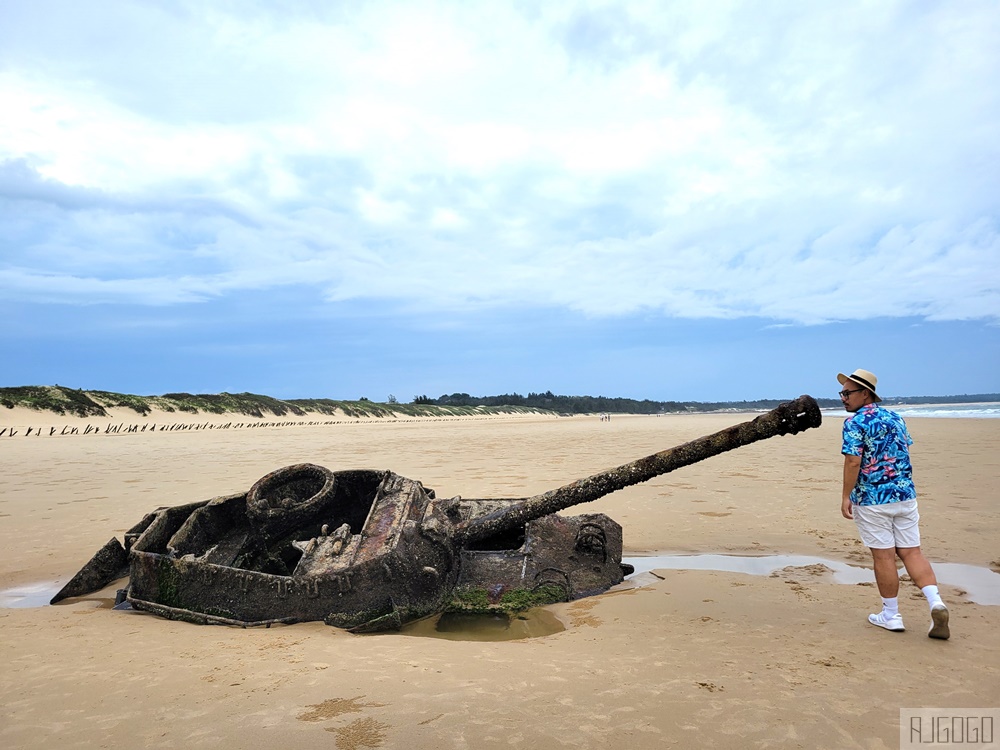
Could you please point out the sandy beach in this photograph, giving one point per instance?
(678, 658)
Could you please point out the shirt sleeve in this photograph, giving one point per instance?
(853, 438)
(906, 433)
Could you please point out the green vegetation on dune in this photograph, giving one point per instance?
(114, 400)
(251, 404)
(82, 403)
(53, 398)
(365, 408)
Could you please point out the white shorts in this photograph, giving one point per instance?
(890, 525)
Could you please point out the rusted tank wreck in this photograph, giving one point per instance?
(370, 550)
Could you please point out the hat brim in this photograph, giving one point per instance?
(842, 379)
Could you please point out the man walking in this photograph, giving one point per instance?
(879, 495)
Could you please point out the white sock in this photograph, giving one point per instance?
(933, 597)
(890, 606)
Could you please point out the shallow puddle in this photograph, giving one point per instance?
(454, 626)
(29, 595)
(40, 594)
(981, 585)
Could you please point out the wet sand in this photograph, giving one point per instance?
(689, 658)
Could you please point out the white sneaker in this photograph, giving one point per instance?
(939, 623)
(890, 622)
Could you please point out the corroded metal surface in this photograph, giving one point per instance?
(107, 565)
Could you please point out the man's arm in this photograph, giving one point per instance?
(852, 467)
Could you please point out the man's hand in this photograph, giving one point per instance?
(847, 509)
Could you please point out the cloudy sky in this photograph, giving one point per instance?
(666, 200)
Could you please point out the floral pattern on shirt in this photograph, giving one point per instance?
(880, 437)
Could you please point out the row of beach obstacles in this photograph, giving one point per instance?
(123, 429)
(129, 429)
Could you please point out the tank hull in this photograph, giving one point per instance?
(192, 563)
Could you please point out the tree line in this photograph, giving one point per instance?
(597, 404)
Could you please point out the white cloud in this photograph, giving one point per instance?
(37, 287)
(378, 210)
(447, 219)
(800, 162)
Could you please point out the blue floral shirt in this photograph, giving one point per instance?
(880, 437)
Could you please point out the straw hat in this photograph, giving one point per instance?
(863, 378)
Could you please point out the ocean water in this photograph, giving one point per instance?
(951, 411)
(948, 411)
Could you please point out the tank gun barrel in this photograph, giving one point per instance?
(788, 418)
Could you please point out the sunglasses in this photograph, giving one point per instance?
(846, 393)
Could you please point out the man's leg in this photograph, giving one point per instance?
(906, 532)
(875, 528)
(922, 573)
(886, 575)
(887, 580)
(918, 566)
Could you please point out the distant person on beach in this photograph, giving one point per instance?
(880, 497)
